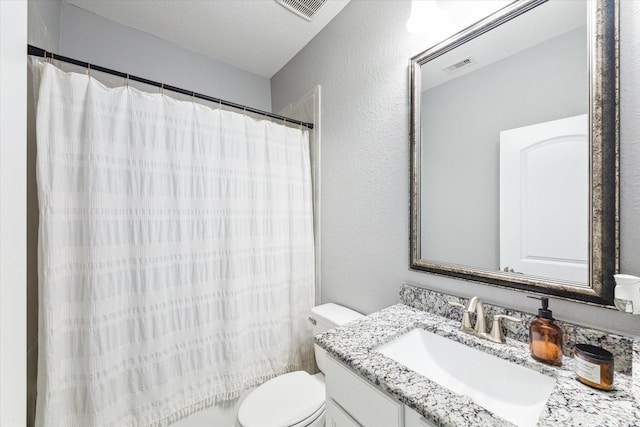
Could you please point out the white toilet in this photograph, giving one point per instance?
(295, 399)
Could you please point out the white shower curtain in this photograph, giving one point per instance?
(175, 249)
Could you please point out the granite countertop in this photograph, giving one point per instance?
(570, 404)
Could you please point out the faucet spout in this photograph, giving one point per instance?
(477, 306)
(473, 302)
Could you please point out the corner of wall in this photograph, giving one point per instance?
(44, 24)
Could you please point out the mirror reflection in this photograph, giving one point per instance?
(514, 150)
(504, 148)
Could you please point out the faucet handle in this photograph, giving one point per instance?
(466, 319)
(496, 330)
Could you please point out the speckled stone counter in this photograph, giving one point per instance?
(571, 403)
(437, 303)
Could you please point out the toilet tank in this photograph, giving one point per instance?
(327, 316)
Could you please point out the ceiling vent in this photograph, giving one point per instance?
(466, 62)
(306, 9)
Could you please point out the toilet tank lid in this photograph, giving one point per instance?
(334, 314)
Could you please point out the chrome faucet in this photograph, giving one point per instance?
(478, 306)
(480, 328)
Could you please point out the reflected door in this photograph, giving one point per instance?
(544, 199)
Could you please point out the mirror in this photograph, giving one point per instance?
(514, 151)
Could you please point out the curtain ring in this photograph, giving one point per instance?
(161, 88)
(51, 59)
(126, 81)
(88, 69)
(193, 97)
(220, 104)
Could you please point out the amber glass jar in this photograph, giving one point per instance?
(594, 366)
(545, 337)
(545, 341)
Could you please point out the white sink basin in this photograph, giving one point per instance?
(510, 391)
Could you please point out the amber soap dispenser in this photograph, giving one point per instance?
(545, 337)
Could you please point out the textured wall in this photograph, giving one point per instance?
(44, 24)
(68, 30)
(92, 38)
(360, 59)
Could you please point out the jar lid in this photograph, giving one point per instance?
(594, 352)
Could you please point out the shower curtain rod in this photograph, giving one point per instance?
(36, 51)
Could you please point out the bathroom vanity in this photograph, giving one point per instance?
(351, 397)
(368, 388)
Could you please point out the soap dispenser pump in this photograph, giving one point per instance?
(545, 337)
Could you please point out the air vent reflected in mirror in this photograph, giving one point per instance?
(466, 62)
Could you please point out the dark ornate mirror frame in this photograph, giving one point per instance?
(604, 170)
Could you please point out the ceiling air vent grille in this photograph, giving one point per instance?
(306, 9)
(466, 62)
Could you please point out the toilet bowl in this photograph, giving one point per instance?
(295, 399)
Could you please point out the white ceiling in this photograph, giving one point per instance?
(543, 23)
(259, 36)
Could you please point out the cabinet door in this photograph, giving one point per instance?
(336, 417)
(359, 398)
(414, 419)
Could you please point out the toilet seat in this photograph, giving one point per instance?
(294, 400)
(313, 417)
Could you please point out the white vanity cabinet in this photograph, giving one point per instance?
(337, 417)
(352, 401)
(414, 419)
